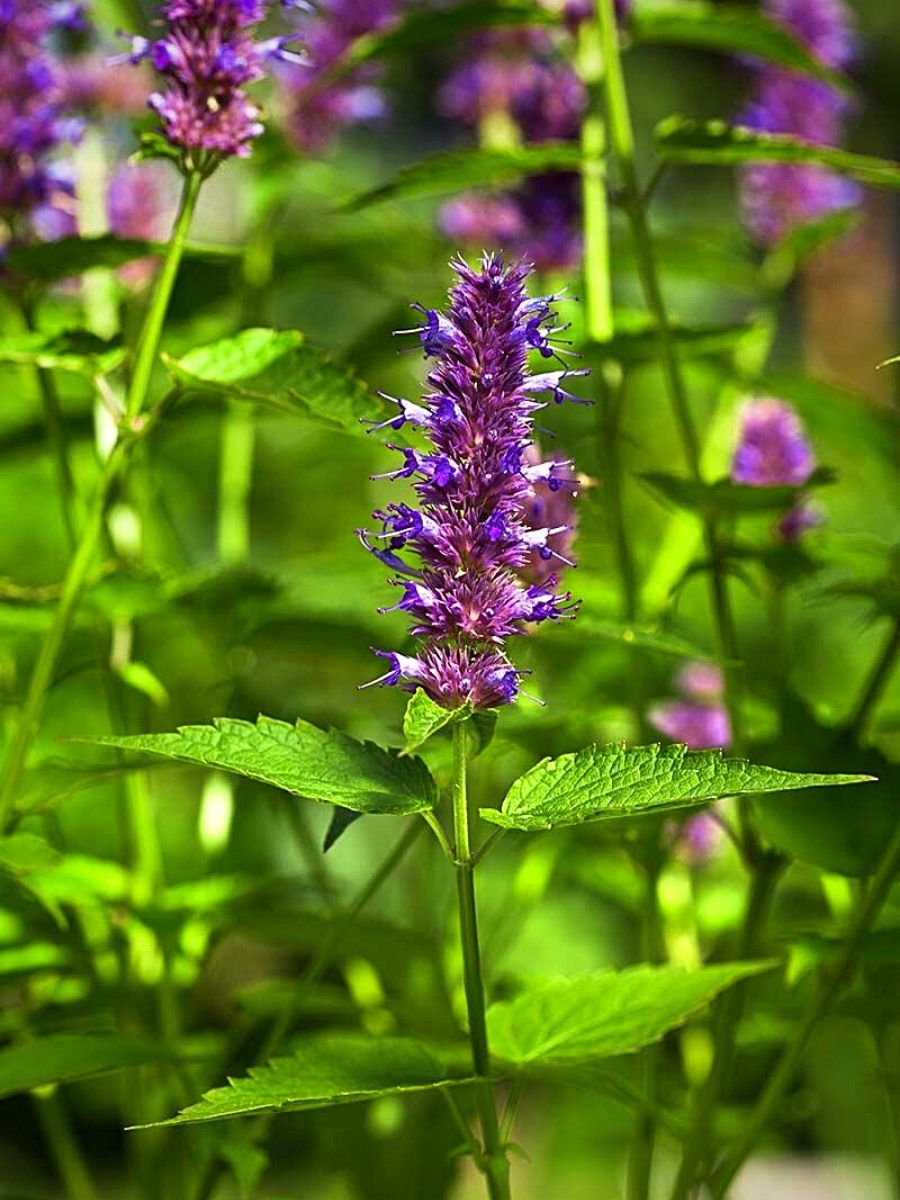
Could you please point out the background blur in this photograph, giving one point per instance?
(268, 605)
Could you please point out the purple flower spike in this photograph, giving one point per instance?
(772, 448)
(207, 56)
(776, 198)
(475, 532)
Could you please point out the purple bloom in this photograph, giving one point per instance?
(33, 120)
(475, 487)
(697, 839)
(798, 520)
(701, 681)
(318, 110)
(551, 507)
(778, 197)
(698, 718)
(772, 447)
(207, 57)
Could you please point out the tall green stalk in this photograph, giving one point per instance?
(494, 1163)
(89, 537)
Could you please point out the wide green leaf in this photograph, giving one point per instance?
(74, 350)
(605, 1013)
(326, 1070)
(323, 765)
(601, 782)
(729, 29)
(679, 139)
(458, 170)
(64, 1056)
(279, 369)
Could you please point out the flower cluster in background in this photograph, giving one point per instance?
(318, 107)
(773, 450)
(476, 484)
(36, 185)
(698, 717)
(207, 57)
(776, 198)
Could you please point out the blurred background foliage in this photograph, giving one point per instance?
(217, 603)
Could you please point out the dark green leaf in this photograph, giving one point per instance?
(60, 1057)
(600, 782)
(605, 1013)
(679, 139)
(723, 496)
(458, 170)
(729, 29)
(49, 261)
(341, 820)
(279, 369)
(327, 766)
(326, 1070)
(73, 350)
(636, 339)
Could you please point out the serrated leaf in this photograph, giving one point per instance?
(327, 766)
(601, 782)
(60, 1057)
(277, 368)
(641, 637)
(74, 350)
(458, 170)
(723, 496)
(327, 1070)
(49, 261)
(715, 143)
(424, 717)
(605, 1013)
(729, 29)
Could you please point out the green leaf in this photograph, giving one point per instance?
(458, 170)
(729, 29)
(49, 261)
(72, 350)
(60, 1057)
(641, 637)
(604, 1013)
(277, 368)
(723, 496)
(636, 338)
(327, 766)
(679, 139)
(22, 853)
(326, 1070)
(601, 782)
(341, 820)
(424, 717)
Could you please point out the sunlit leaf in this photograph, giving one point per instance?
(325, 1071)
(424, 717)
(601, 782)
(327, 766)
(458, 170)
(604, 1013)
(60, 1057)
(679, 139)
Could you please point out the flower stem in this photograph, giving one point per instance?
(92, 529)
(494, 1165)
(70, 1162)
(881, 673)
(832, 984)
(148, 343)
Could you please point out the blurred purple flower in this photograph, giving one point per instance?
(797, 521)
(697, 839)
(140, 203)
(778, 197)
(700, 681)
(207, 57)
(317, 110)
(698, 718)
(475, 485)
(34, 124)
(772, 446)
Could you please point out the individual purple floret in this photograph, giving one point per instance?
(772, 446)
(551, 507)
(207, 56)
(319, 108)
(34, 123)
(778, 197)
(475, 483)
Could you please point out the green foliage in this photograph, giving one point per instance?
(424, 717)
(654, 641)
(326, 766)
(601, 782)
(725, 497)
(70, 256)
(73, 350)
(65, 1056)
(679, 139)
(324, 1071)
(606, 1013)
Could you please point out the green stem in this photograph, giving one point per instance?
(831, 986)
(595, 207)
(495, 1165)
(238, 442)
(70, 1162)
(151, 333)
(728, 1015)
(622, 139)
(640, 1161)
(877, 682)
